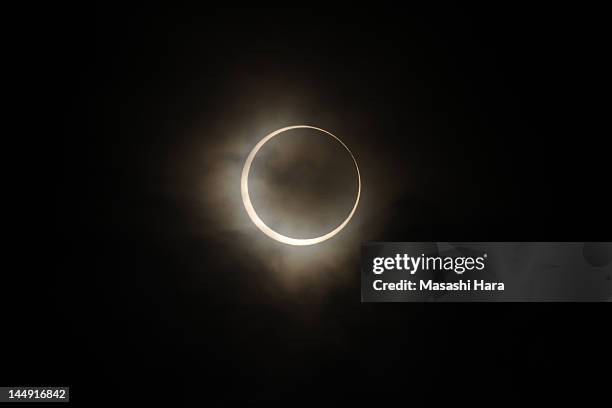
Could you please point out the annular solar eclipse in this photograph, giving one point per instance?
(244, 190)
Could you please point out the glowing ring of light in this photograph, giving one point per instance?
(244, 190)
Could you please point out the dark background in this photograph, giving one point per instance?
(507, 97)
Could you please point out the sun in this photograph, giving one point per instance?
(244, 190)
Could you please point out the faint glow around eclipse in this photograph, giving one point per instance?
(244, 190)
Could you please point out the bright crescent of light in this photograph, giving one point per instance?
(244, 190)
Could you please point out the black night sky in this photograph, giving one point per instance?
(470, 124)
